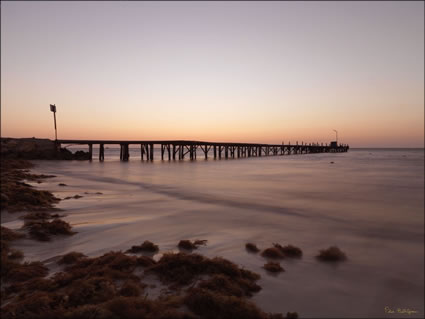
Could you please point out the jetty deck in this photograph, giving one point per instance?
(178, 149)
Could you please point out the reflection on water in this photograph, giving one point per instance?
(368, 202)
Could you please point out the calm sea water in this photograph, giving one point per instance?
(369, 202)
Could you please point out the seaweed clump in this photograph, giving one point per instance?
(332, 254)
(83, 286)
(75, 197)
(26, 271)
(42, 230)
(208, 304)
(147, 246)
(222, 284)
(9, 256)
(252, 248)
(273, 267)
(19, 196)
(37, 215)
(273, 252)
(289, 251)
(280, 252)
(7, 234)
(131, 288)
(71, 258)
(182, 269)
(107, 287)
(189, 245)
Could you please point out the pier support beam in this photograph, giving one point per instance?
(147, 152)
(191, 152)
(101, 153)
(91, 151)
(125, 152)
(205, 149)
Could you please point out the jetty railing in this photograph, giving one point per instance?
(178, 149)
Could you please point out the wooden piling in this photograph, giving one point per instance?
(101, 153)
(91, 151)
(125, 154)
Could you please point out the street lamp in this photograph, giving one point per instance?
(53, 109)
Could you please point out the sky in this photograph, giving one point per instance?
(268, 72)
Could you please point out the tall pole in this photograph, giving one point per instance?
(336, 132)
(56, 132)
(53, 109)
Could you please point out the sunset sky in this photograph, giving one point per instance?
(215, 71)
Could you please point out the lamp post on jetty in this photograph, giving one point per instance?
(53, 109)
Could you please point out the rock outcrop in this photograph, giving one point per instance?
(35, 148)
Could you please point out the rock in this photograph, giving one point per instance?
(35, 148)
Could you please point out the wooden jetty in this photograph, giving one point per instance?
(178, 149)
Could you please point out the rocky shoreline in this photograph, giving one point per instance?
(37, 149)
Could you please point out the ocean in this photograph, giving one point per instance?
(368, 202)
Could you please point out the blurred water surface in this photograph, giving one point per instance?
(369, 202)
